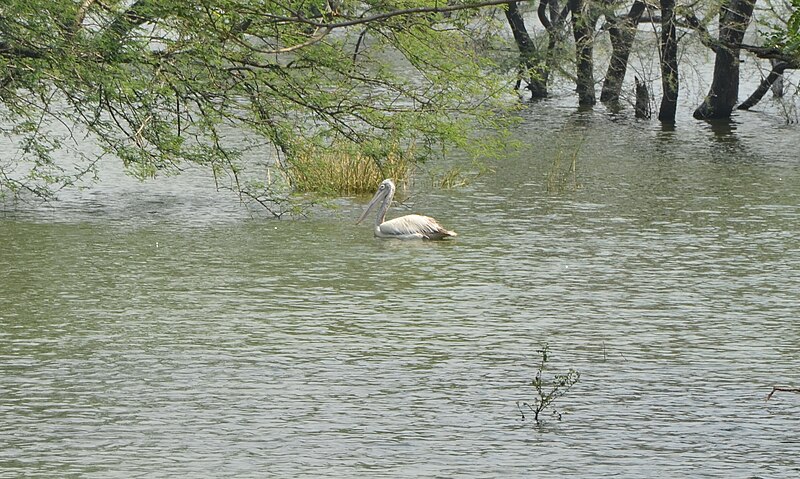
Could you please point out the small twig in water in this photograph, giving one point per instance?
(547, 392)
(782, 389)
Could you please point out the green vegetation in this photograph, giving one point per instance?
(785, 32)
(457, 176)
(793, 30)
(160, 85)
(563, 174)
(548, 391)
(347, 169)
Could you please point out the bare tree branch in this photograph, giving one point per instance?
(782, 389)
(792, 62)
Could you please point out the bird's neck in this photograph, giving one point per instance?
(382, 211)
(387, 200)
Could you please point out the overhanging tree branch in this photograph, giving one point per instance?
(387, 15)
(767, 53)
(153, 82)
(136, 15)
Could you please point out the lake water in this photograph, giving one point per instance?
(164, 330)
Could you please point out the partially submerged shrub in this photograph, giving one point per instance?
(548, 391)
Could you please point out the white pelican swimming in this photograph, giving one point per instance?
(404, 227)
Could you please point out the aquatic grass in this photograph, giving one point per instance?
(453, 178)
(346, 169)
(457, 176)
(563, 175)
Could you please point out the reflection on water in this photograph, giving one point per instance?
(724, 131)
(168, 332)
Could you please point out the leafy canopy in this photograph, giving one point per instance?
(160, 84)
(793, 30)
(785, 31)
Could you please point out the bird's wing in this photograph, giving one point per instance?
(414, 226)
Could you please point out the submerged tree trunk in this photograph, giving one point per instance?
(530, 70)
(766, 83)
(553, 25)
(583, 22)
(642, 107)
(724, 92)
(777, 85)
(622, 33)
(669, 63)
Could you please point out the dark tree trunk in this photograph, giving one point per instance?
(553, 24)
(669, 63)
(724, 92)
(622, 33)
(583, 22)
(777, 85)
(642, 107)
(766, 83)
(530, 70)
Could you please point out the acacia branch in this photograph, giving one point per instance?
(81, 15)
(136, 15)
(320, 34)
(394, 13)
(7, 50)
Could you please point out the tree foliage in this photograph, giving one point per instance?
(160, 83)
(787, 37)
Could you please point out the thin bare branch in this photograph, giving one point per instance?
(782, 389)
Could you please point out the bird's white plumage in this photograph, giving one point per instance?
(404, 227)
(412, 227)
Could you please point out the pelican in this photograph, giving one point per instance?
(404, 227)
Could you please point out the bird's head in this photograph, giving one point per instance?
(386, 188)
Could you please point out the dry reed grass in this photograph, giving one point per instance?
(343, 170)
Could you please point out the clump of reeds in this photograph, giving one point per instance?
(457, 176)
(563, 175)
(346, 169)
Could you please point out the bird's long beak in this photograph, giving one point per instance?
(372, 203)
